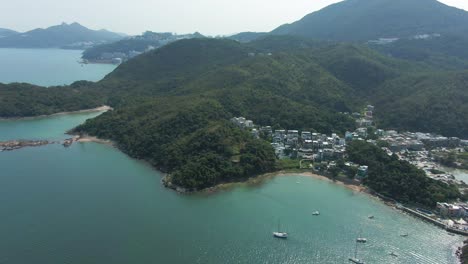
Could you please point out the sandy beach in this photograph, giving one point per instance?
(85, 138)
(258, 180)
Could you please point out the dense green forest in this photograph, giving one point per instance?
(172, 99)
(189, 137)
(363, 20)
(25, 100)
(446, 52)
(399, 179)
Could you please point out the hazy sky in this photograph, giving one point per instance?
(211, 17)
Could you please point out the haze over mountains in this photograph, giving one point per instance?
(61, 36)
(363, 20)
(130, 47)
(418, 30)
(6, 32)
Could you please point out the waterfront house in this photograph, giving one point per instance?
(362, 171)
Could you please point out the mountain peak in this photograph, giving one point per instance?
(60, 35)
(363, 20)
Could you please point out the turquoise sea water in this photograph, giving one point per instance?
(459, 174)
(48, 67)
(90, 203)
(52, 128)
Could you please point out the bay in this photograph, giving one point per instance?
(48, 67)
(90, 203)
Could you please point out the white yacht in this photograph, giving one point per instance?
(279, 234)
(316, 213)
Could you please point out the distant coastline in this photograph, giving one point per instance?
(103, 108)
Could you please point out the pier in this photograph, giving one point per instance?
(434, 221)
(423, 216)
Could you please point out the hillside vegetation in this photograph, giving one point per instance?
(363, 20)
(25, 100)
(173, 104)
(399, 179)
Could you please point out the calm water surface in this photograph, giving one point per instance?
(459, 174)
(48, 67)
(90, 203)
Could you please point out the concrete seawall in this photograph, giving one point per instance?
(434, 221)
(423, 216)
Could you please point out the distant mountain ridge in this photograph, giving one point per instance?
(4, 32)
(65, 35)
(362, 20)
(132, 46)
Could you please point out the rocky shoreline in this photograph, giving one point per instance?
(12, 145)
(18, 144)
(353, 185)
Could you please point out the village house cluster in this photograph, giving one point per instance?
(363, 123)
(416, 148)
(297, 144)
(454, 216)
(306, 145)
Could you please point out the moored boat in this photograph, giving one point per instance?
(361, 240)
(279, 234)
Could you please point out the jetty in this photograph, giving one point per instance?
(436, 222)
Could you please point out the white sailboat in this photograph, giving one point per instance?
(355, 258)
(361, 239)
(279, 234)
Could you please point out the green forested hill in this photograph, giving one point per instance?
(363, 20)
(25, 100)
(433, 102)
(173, 104)
(399, 179)
(447, 52)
